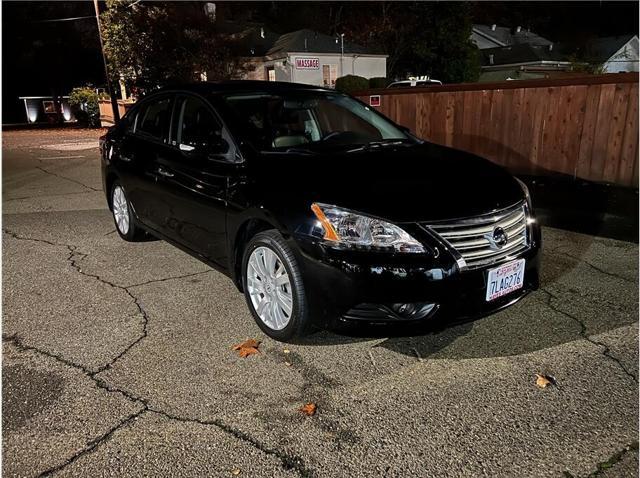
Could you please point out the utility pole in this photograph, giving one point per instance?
(114, 100)
(342, 54)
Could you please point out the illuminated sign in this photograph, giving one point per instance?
(307, 63)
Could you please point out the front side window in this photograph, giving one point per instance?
(309, 118)
(153, 119)
(198, 125)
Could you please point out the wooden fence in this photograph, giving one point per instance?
(106, 110)
(583, 127)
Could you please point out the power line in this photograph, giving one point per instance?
(69, 19)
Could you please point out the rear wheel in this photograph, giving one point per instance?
(273, 287)
(123, 216)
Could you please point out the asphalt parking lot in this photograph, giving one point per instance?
(117, 359)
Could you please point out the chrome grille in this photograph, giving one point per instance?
(471, 240)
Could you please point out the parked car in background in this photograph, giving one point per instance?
(318, 207)
(415, 83)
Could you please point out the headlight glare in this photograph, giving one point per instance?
(354, 230)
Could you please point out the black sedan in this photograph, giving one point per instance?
(318, 207)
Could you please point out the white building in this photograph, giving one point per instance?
(616, 54)
(305, 56)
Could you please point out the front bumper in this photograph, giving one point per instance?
(338, 281)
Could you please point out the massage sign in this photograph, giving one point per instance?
(307, 63)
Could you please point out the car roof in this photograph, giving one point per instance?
(239, 86)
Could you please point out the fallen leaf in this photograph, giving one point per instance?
(288, 364)
(309, 409)
(235, 471)
(248, 347)
(287, 351)
(543, 381)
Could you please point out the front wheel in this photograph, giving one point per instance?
(123, 215)
(273, 287)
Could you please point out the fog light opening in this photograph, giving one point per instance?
(418, 310)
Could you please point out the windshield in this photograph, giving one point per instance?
(310, 119)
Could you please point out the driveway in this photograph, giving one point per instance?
(118, 360)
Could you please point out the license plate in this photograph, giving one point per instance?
(505, 279)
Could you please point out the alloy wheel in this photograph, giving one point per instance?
(120, 210)
(269, 288)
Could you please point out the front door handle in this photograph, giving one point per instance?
(165, 173)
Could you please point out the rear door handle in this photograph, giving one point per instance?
(165, 173)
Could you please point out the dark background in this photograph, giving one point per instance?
(41, 57)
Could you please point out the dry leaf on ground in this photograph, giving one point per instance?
(309, 409)
(543, 381)
(248, 347)
(235, 471)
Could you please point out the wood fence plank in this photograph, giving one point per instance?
(601, 138)
(550, 153)
(484, 124)
(439, 118)
(616, 133)
(495, 125)
(588, 134)
(459, 139)
(573, 128)
(470, 124)
(503, 144)
(628, 153)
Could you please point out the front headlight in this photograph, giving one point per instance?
(354, 230)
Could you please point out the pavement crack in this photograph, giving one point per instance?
(67, 179)
(606, 351)
(93, 444)
(164, 279)
(73, 258)
(39, 196)
(609, 463)
(593, 266)
(289, 462)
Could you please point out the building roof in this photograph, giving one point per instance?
(250, 39)
(602, 49)
(312, 42)
(524, 53)
(506, 36)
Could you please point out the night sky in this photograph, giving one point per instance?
(44, 58)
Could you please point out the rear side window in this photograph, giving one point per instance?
(198, 124)
(153, 119)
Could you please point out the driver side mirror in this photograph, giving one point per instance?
(212, 146)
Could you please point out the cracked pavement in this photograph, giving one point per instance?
(117, 360)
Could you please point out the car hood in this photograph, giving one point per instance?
(424, 182)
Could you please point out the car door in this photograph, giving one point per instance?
(138, 151)
(195, 176)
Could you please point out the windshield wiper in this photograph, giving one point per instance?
(379, 144)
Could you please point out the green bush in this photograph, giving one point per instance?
(84, 103)
(378, 82)
(351, 83)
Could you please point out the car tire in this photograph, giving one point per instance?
(123, 216)
(270, 273)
